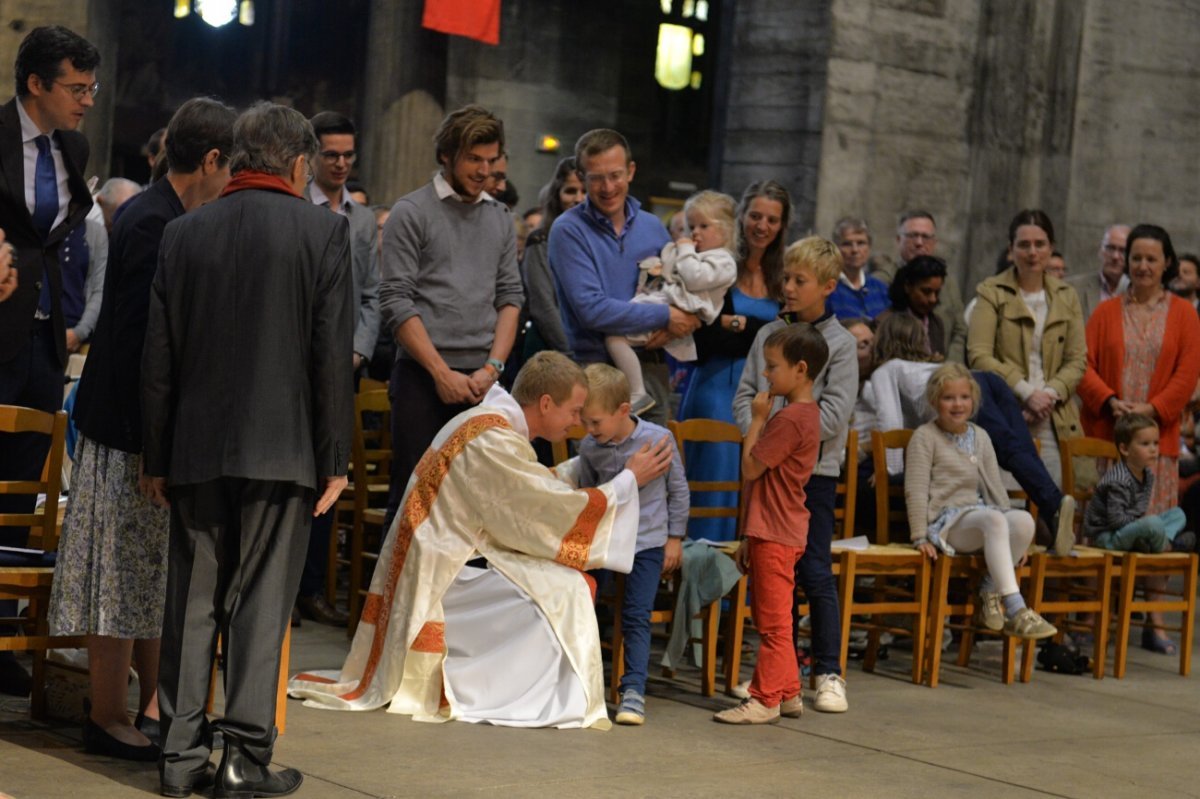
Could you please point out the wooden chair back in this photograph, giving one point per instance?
(1071, 448)
(43, 522)
(713, 432)
(561, 450)
(847, 489)
(885, 516)
(370, 474)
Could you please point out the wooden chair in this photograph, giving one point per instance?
(847, 489)
(1130, 567)
(1079, 583)
(280, 689)
(29, 576)
(885, 491)
(370, 463)
(713, 432)
(562, 450)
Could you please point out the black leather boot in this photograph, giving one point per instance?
(241, 777)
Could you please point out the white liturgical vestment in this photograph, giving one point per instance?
(515, 644)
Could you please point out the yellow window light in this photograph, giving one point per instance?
(548, 143)
(673, 63)
(695, 80)
(698, 45)
(182, 8)
(702, 10)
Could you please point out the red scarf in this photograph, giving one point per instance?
(253, 179)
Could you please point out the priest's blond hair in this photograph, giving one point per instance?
(547, 372)
(608, 387)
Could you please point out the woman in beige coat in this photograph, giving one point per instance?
(1028, 328)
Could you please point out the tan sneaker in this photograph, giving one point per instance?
(750, 711)
(1027, 624)
(990, 613)
(1064, 535)
(792, 708)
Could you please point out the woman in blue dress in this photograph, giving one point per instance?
(763, 215)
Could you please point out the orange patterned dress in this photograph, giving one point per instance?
(1144, 328)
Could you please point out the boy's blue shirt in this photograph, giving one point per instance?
(664, 501)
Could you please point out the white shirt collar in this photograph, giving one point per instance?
(862, 276)
(503, 402)
(319, 197)
(29, 128)
(445, 191)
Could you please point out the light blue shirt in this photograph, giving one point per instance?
(664, 501)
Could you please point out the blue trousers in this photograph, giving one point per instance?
(1000, 416)
(814, 573)
(641, 585)
(1152, 534)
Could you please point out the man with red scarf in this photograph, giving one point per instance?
(247, 404)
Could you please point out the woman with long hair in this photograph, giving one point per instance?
(760, 236)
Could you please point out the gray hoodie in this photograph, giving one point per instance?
(835, 389)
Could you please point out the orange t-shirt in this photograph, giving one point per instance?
(788, 447)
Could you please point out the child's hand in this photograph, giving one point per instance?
(672, 555)
(928, 550)
(760, 406)
(741, 557)
(679, 242)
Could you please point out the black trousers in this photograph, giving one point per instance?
(236, 551)
(418, 413)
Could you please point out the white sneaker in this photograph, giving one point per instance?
(831, 694)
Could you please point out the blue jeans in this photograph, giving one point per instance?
(1151, 534)
(641, 586)
(814, 573)
(1000, 417)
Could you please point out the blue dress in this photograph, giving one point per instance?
(709, 395)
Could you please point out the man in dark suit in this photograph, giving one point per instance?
(43, 197)
(247, 413)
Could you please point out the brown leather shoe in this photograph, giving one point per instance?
(318, 609)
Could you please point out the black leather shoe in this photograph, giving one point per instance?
(202, 782)
(240, 777)
(14, 680)
(98, 742)
(317, 608)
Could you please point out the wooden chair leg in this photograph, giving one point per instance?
(618, 641)
(708, 666)
(1189, 618)
(937, 619)
(285, 657)
(920, 622)
(1100, 619)
(733, 638)
(1124, 610)
(1037, 594)
(331, 560)
(847, 577)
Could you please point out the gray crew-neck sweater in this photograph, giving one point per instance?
(453, 264)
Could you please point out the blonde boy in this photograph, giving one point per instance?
(811, 268)
(614, 434)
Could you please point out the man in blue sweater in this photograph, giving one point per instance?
(594, 252)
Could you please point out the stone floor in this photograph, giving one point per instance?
(972, 736)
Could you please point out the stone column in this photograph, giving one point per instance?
(403, 101)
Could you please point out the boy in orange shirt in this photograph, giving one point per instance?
(778, 457)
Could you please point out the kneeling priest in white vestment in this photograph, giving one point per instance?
(515, 643)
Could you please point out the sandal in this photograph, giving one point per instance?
(1152, 643)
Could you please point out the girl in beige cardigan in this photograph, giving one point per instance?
(966, 509)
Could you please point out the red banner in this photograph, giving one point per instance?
(475, 19)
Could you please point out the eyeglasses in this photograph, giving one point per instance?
(78, 90)
(332, 156)
(593, 179)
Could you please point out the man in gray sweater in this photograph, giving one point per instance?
(811, 269)
(450, 289)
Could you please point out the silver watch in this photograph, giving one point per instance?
(735, 324)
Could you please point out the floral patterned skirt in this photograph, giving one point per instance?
(111, 575)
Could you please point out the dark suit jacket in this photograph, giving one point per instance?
(108, 405)
(247, 366)
(37, 260)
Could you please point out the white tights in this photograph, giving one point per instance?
(622, 354)
(1004, 536)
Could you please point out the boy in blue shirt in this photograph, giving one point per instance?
(613, 435)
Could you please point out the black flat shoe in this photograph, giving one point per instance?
(202, 782)
(98, 742)
(240, 777)
(151, 728)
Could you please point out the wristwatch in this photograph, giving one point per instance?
(735, 324)
(496, 364)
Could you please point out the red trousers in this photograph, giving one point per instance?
(772, 595)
